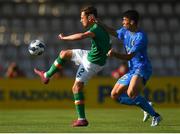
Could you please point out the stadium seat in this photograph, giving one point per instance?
(165, 38)
(113, 9)
(4, 39)
(167, 9)
(176, 38)
(160, 72)
(164, 51)
(160, 24)
(147, 24)
(153, 9)
(141, 8)
(33, 9)
(176, 50)
(23, 51)
(173, 24)
(125, 7)
(11, 52)
(177, 8)
(72, 10)
(25, 63)
(153, 39)
(58, 9)
(170, 63)
(157, 63)
(153, 51)
(178, 65)
(108, 21)
(27, 38)
(7, 9)
(2, 52)
(30, 25)
(21, 9)
(42, 25)
(101, 9)
(16, 38)
(17, 25)
(5, 25)
(69, 25)
(56, 25)
(46, 37)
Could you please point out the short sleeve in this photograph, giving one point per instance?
(93, 30)
(121, 33)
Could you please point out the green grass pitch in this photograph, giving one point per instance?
(100, 120)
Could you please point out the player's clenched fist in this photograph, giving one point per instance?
(60, 36)
(111, 52)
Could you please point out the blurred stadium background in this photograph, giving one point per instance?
(24, 20)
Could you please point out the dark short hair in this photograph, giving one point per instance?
(89, 10)
(132, 15)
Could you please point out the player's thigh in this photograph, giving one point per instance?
(125, 79)
(135, 86)
(79, 56)
(118, 89)
(86, 71)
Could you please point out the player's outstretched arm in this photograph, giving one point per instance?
(117, 55)
(77, 36)
(110, 30)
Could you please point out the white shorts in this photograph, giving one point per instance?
(86, 69)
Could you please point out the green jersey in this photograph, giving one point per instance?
(100, 45)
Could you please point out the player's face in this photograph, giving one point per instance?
(84, 19)
(126, 22)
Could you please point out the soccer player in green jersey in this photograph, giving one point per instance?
(90, 61)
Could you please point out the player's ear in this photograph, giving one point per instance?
(132, 22)
(91, 17)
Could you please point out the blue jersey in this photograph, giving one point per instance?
(135, 42)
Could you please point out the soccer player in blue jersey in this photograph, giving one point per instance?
(135, 43)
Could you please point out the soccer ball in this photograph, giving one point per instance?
(36, 47)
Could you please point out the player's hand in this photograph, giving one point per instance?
(111, 52)
(61, 36)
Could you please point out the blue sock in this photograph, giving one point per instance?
(124, 99)
(143, 103)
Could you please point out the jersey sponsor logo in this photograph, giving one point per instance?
(132, 42)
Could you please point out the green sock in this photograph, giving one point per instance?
(79, 104)
(58, 63)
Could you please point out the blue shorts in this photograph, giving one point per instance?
(125, 79)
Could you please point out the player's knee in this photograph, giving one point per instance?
(77, 87)
(65, 54)
(62, 54)
(114, 95)
(131, 94)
